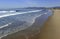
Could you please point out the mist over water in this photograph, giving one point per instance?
(16, 21)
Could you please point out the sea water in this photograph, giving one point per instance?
(11, 22)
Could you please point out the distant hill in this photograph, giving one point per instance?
(35, 8)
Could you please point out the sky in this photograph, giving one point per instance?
(28, 3)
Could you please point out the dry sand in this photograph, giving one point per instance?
(51, 29)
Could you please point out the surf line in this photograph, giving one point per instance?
(5, 25)
(17, 13)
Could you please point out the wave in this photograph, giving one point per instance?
(7, 11)
(17, 13)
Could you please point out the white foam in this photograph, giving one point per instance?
(3, 36)
(5, 15)
(5, 25)
(7, 11)
(3, 11)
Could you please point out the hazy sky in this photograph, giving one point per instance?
(28, 3)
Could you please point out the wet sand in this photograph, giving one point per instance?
(51, 29)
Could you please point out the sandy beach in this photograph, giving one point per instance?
(50, 29)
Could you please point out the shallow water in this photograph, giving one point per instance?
(17, 22)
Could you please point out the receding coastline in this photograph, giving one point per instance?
(32, 32)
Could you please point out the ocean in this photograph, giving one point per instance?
(14, 21)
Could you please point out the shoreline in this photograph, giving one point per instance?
(30, 32)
